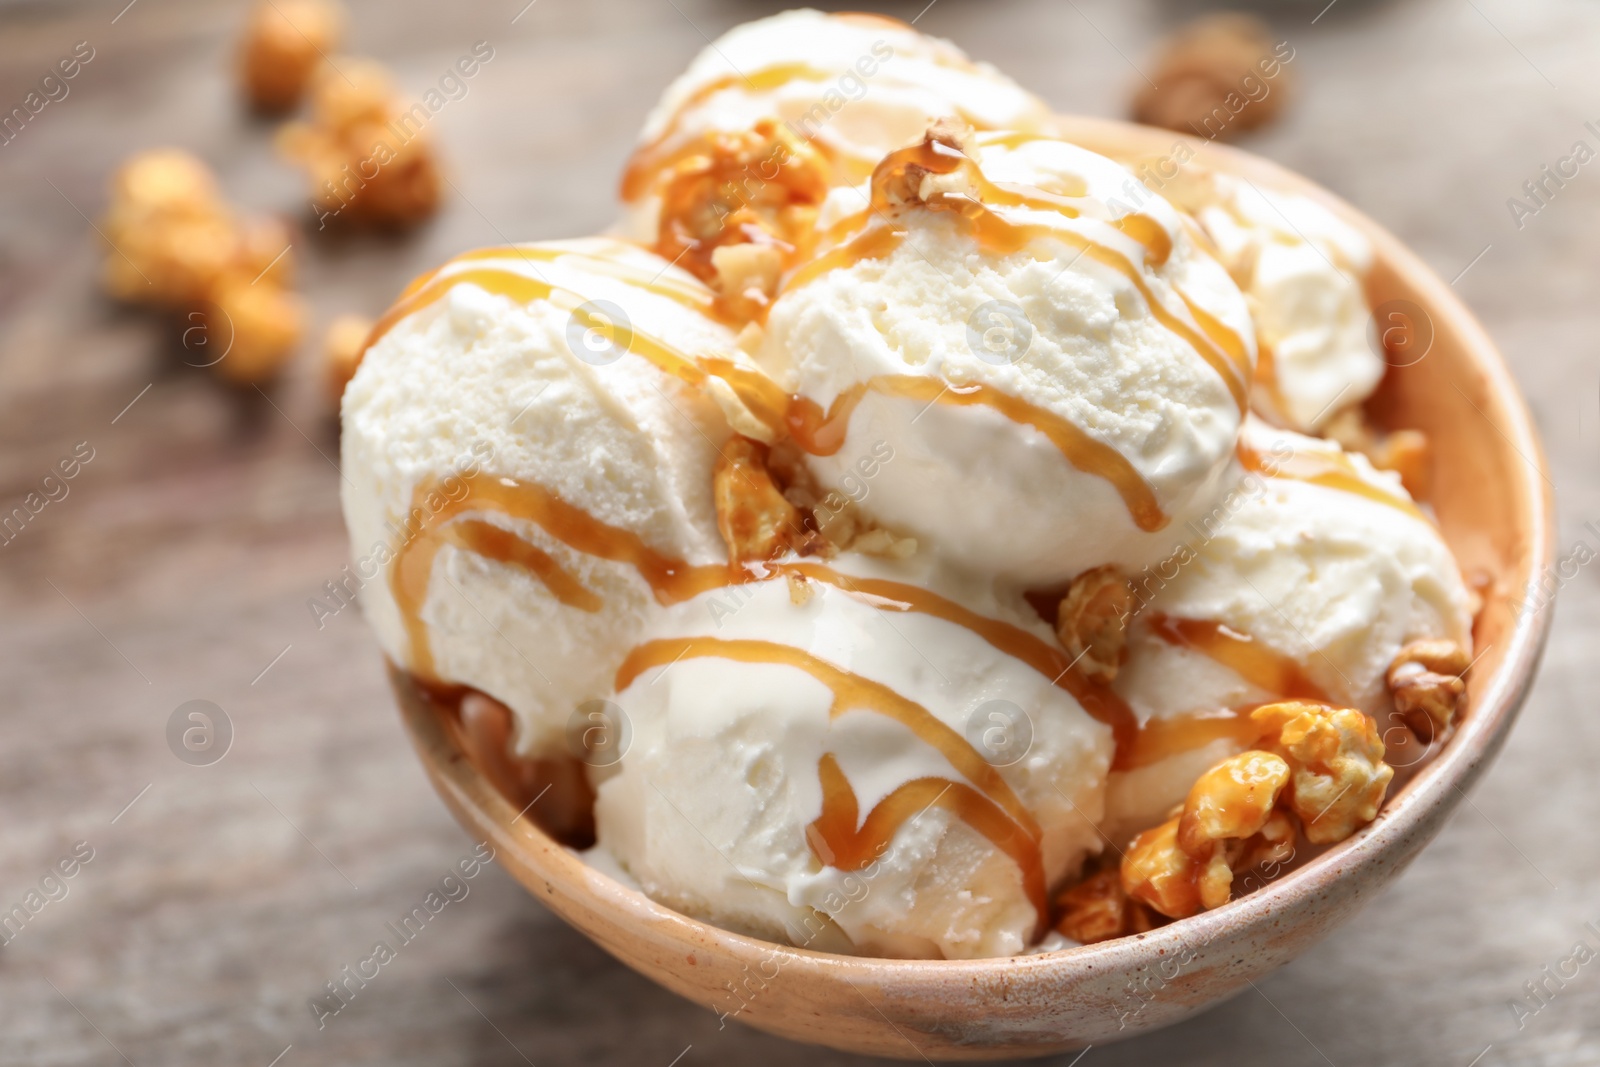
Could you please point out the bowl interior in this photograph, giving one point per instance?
(1493, 501)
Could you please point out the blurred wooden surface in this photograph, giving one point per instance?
(179, 565)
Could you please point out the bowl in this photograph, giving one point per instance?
(1494, 506)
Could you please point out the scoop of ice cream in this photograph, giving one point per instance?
(777, 111)
(1303, 270)
(1309, 578)
(861, 756)
(527, 467)
(1040, 337)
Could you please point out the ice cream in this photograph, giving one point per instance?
(897, 516)
(526, 455)
(1310, 577)
(745, 143)
(1304, 271)
(852, 759)
(1061, 365)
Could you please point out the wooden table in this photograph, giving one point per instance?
(220, 898)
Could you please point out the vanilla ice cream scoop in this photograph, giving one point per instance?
(1306, 582)
(860, 756)
(1304, 272)
(527, 458)
(1059, 367)
(777, 111)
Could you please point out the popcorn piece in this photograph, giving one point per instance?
(747, 276)
(881, 542)
(1098, 909)
(1426, 682)
(1327, 769)
(262, 325)
(283, 43)
(369, 157)
(1339, 778)
(1210, 78)
(762, 186)
(1231, 800)
(1159, 873)
(177, 245)
(755, 520)
(342, 348)
(1092, 623)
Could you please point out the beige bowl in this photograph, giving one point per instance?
(1494, 506)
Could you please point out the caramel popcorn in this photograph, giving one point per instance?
(342, 348)
(1426, 682)
(762, 187)
(261, 323)
(1097, 909)
(369, 159)
(1325, 770)
(756, 522)
(177, 245)
(1339, 777)
(1092, 623)
(1159, 873)
(1217, 77)
(283, 43)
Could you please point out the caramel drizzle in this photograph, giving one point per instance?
(1220, 347)
(819, 431)
(1257, 664)
(822, 432)
(988, 804)
(673, 581)
(1262, 667)
(1331, 470)
(670, 580)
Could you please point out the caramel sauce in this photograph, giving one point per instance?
(1251, 660)
(1329, 470)
(988, 804)
(822, 432)
(503, 546)
(1159, 739)
(670, 580)
(653, 158)
(1043, 656)
(693, 297)
(897, 180)
(840, 839)
(764, 399)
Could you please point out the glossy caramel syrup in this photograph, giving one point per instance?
(896, 181)
(763, 186)
(1329, 470)
(410, 571)
(1262, 667)
(987, 804)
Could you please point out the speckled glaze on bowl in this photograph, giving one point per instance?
(1494, 506)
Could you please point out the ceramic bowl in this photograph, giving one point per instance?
(1494, 506)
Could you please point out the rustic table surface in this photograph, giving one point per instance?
(220, 898)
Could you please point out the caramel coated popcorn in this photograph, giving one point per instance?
(1339, 777)
(755, 520)
(1216, 78)
(176, 245)
(1320, 771)
(1098, 909)
(369, 158)
(1427, 683)
(760, 187)
(1092, 623)
(283, 43)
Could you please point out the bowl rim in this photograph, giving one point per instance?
(1458, 765)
